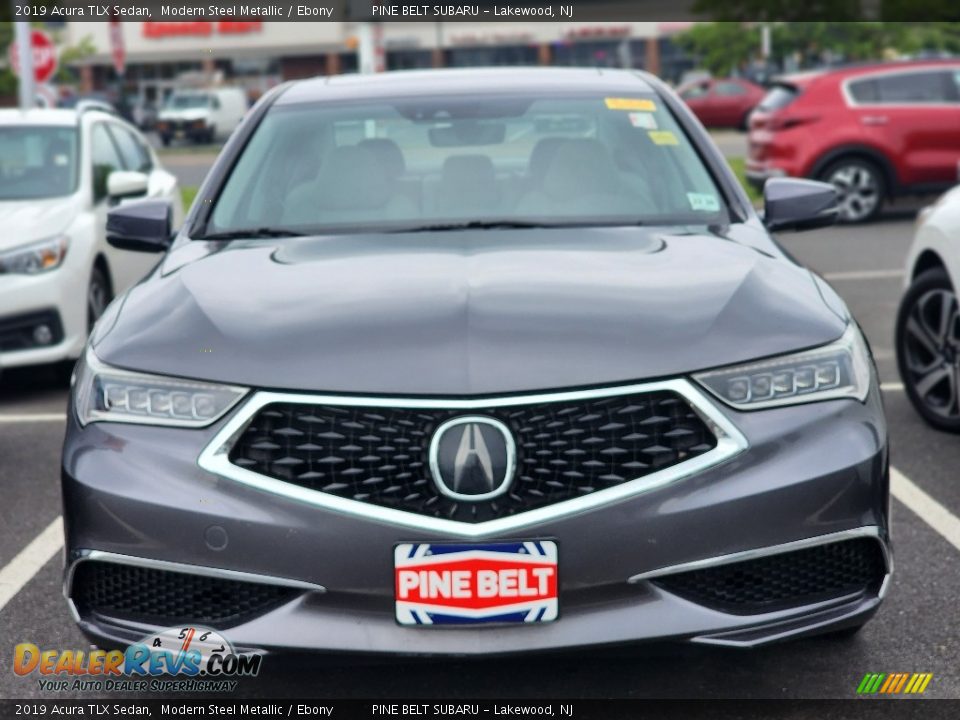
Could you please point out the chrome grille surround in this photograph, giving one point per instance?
(215, 458)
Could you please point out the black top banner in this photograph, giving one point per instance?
(484, 10)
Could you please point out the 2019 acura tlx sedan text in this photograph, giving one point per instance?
(467, 362)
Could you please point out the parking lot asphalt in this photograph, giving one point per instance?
(916, 630)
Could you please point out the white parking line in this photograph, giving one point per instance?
(864, 275)
(28, 562)
(925, 507)
(33, 417)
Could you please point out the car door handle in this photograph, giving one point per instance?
(874, 120)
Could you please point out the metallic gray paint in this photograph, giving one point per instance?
(468, 313)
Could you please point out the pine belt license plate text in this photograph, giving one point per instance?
(466, 584)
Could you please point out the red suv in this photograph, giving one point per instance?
(874, 131)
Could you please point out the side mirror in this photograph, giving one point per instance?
(795, 204)
(123, 184)
(142, 226)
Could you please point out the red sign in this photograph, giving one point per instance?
(497, 582)
(44, 56)
(117, 49)
(202, 28)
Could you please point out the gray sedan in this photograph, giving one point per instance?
(503, 351)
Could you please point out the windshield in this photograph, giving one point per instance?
(37, 162)
(778, 97)
(193, 101)
(441, 162)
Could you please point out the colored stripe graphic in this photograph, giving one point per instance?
(894, 683)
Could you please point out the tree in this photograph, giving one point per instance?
(721, 47)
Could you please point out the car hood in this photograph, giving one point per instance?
(24, 221)
(470, 313)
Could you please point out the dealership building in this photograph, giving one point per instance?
(260, 54)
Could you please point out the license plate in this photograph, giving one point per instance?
(469, 584)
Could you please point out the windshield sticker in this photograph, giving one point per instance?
(704, 202)
(630, 104)
(663, 137)
(645, 120)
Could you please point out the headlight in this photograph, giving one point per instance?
(106, 394)
(838, 370)
(34, 258)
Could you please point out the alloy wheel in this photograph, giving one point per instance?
(931, 349)
(98, 297)
(859, 190)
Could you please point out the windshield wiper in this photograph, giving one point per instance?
(250, 234)
(476, 225)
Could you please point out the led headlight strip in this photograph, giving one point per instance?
(106, 394)
(838, 370)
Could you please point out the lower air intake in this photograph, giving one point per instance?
(782, 581)
(162, 597)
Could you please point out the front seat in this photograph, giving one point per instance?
(350, 187)
(468, 186)
(582, 179)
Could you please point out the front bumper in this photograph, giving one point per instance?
(811, 474)
(58, 296)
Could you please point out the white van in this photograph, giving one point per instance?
(206, 115)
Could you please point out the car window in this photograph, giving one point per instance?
(695, 91)
(917, 87)
(778, 97)
(105, 159)
(729, 88)
(37, 162)
(134, 155)
(865, 91)
(428, 161)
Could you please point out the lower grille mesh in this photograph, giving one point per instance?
(781, 581)
(164, 597)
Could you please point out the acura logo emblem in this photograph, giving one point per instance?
(472, 458)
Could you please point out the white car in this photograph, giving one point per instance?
(928, 322)
(60, 171)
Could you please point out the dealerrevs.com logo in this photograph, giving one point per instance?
(181, 659)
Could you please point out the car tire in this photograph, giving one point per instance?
(928, 349)
(744, 125)
(861, 186)
(99, 295)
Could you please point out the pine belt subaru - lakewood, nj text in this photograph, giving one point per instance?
(470, 362)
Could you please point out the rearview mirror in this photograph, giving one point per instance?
(142, 226)
(795, 204)
(126, 184)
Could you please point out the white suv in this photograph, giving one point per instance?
(60, 171)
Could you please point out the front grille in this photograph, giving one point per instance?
(162, 597)
(379, 455)
(786, 580)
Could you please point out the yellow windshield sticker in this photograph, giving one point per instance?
(630, 104)
(663, 137)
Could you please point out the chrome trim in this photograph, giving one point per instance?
(730, 443)
(434, 457)
(118, 559)
(870, 531)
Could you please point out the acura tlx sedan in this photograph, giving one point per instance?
(470, 362)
